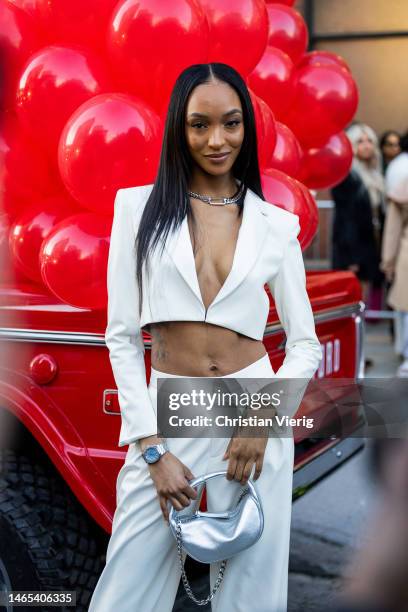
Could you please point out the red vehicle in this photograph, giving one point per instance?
(60, 419)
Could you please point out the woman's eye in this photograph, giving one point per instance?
(231, 123)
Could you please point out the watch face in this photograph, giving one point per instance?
(151, 455)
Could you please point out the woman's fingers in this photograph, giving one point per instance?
(178, 501)
(243, 471)
(258, 467)
(175, 503)
(188, 473)
(247, 471)
(240, 468)
(164, 509)
(183, 499)
(190, 491)
(232, 466)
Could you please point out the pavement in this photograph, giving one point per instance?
(328, 522)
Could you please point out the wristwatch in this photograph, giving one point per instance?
(152, 453)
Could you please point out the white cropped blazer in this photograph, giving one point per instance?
(267, 252)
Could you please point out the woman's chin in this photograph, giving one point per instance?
(221, 170)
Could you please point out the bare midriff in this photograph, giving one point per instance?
(190, 348)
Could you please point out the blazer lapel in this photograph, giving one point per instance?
(180, 249)
(252, 234)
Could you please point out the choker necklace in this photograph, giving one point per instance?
(211, 199)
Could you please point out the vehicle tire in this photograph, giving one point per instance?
(46, 539)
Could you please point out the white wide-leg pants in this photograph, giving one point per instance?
(142, 571)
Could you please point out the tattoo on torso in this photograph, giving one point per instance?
(159, 348)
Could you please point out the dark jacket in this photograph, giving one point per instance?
(353, 238)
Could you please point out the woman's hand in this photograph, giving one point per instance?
(170, 477)
(242, 454)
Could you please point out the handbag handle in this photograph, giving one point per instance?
(195, 482)
(204, 477)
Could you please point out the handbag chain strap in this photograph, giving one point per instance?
(200, 602)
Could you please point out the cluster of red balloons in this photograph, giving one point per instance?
(87, 90)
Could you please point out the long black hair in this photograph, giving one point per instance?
(168, 202)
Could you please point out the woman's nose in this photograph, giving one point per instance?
(216, 137)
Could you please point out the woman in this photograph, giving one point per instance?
(390, 147)
(367, 162)
(359, 212)
(395, 245)
(204, 303)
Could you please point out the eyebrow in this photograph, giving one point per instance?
(230, 112)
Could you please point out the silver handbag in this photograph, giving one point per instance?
(209, 537)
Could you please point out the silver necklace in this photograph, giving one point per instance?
(210, 199)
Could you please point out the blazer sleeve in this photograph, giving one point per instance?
(303, 352)
(123, 335)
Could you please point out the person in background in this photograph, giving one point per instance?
(394, 260)
(367, 163)
(358, 213)
(390, 146)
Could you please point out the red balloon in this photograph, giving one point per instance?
(326, 98)
(150, 42)
(322, 58)
(238, 32)
(8, 272)
(111, 141)
(32, 227)
(265, 129)
(287, 31)
(287, 153)
(269, 132)
(73, 260)
(25, 172)
(281, 190)
(54, 83)
(272, 80)
(18, 39)
(323, 167)
(311, 217)
(74, 22)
